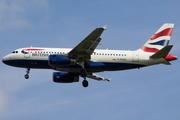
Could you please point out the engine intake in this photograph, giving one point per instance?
(61, 60)
(62, 77)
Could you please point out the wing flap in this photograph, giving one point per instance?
(97, 77)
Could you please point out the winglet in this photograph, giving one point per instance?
(105, 27)
(109, 80)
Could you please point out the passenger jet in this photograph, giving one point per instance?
(84, 60)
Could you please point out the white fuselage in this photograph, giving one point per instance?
(101, 60)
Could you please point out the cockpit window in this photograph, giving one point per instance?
(15, 52)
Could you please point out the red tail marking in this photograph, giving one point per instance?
(147, 49)
(166, 32)
(170, 57)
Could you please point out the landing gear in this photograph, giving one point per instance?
(27, 75)
(85, 83)
(83, 74)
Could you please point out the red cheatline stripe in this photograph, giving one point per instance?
(147, 49)
(166, 32)
(32, 49)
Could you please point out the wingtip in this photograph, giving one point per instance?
(109, 80)
(105, 27)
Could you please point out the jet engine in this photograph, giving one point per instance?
(62, 77)
(61, 60)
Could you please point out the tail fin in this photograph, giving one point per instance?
(159, 40)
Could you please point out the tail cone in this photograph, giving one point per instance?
(170, 57)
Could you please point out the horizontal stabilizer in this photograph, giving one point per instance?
(163, 52)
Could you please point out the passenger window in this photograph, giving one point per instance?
(13, 52)
(16, 51)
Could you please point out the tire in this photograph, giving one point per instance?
(26, 76)
(85, 83)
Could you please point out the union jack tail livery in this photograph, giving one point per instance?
(159, 40)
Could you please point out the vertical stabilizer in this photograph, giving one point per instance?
(159, 40)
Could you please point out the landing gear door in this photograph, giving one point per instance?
(135, 56)
(27, 54)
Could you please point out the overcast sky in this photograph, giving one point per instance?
(150, 93)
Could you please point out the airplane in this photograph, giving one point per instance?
(84, 60)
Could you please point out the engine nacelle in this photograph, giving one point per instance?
(61, 60)
(62, 77)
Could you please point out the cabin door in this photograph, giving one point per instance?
(135, 56)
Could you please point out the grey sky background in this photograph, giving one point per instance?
(149, 93)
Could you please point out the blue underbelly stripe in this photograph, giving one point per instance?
(95, 66)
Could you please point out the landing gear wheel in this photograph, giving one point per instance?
(85, 83)
(26, 76)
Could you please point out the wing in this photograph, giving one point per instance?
(86, 47)
(97, 77)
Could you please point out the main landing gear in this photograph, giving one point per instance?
(27, 75)
(85, 83)
(83, 74)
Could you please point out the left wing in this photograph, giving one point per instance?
(97, 77)
(85, 48)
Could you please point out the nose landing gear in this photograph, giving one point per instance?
(27, 75)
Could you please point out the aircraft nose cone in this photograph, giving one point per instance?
(4, 60)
